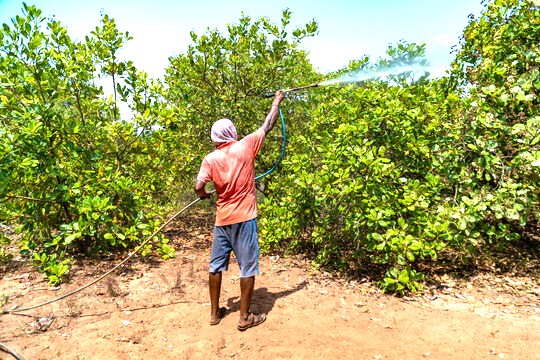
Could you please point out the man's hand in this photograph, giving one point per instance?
(278, 96)
(202, 193)
(206, 195)
(272, 116)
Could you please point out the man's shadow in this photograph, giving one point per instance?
(263, 299)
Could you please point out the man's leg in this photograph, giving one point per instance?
(246, 246)
(214, 284)
(219, 261)
(248, 319)
(246, 293)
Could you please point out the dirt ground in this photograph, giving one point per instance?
(155, 309)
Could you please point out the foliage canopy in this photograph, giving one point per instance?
(387, 173)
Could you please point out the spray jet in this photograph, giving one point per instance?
(269, 95)
(362, 75)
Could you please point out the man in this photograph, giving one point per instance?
(232, 169)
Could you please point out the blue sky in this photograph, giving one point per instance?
(348, 29)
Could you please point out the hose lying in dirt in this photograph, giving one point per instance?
(10, 351)
(16, 310)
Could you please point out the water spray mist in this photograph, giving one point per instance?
(360, 76)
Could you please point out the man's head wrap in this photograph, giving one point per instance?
(223, 131)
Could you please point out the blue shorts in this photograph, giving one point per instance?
(241, 238)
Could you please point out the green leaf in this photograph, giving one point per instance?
(72, 237)
(462, 224)
(403, 276)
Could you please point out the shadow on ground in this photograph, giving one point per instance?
(264, 299)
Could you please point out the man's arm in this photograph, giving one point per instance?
(272, 116)
(200, 190)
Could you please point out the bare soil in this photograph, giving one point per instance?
(154, 309)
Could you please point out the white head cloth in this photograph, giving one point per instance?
(223, 131)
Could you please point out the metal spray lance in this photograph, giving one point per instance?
(269, 95)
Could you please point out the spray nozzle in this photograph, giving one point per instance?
(269, 95)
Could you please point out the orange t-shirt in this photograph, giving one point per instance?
(232, 169)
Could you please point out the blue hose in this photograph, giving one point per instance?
(283, 146)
